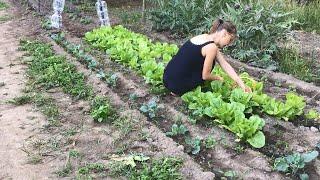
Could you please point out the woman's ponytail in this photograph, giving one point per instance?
(220, 24)
(216, 24)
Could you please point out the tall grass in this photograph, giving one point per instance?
(307, 14)
(291, 62)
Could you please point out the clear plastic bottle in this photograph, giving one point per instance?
(56, 20)
(58, 5)
(102, 11)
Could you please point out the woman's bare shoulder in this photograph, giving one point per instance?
(199, 39)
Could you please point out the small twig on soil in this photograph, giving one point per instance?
(315, 95)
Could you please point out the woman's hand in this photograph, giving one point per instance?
(247, 89)
(217, 78)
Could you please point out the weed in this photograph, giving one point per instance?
(313, 114)
(307, 15)
(192, 120)
(111, 80)
(5, 18)
(282, 145)
(239, 149)
(74, 153)
(65, 171)
(130, 17)
(70, 132)
(119, 169)
(85, 20)
(3, 5)
(291, 62)
(101, 110)
(34, 159)
(124, 124)
(143, 135)
(133, 96)
(54, 143)
(164, 168)
(48, 70)
(210, 142)
(122, 149)
(230, 175)
(85, 172)
(21, 100)
(46, 24)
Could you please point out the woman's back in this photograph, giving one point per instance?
(184, 71)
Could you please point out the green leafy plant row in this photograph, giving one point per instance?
(219, 100)
(50, 70)
(288, 110)
(134, 50)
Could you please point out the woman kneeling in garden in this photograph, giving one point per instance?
(193, 63)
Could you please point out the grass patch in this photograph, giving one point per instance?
(44, 103)
(101, 110)
(291, 62)
(124, 124)
(3, 5)
(164, 168)
(308, 15)
(21, 100)
(5, 18)
(65, 171)
(48, 70)
(86, 171)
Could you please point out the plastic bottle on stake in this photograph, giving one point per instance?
(56, 18)
(58, 5)
(102, 12)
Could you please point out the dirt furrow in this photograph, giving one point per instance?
(252, 163)
(167, 146)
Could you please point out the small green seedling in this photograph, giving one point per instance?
(151, 108)
(177, 130)
(210, 142)
(195, 145)
(313, 114)
(295, 162)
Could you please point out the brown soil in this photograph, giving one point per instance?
(27, 138)
(17, 123)
(223, 158)
(309, 44)
(302, 138)
(164, 146)
(287, 138)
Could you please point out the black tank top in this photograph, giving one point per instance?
(184, 72)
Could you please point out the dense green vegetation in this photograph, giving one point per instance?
(261, 26)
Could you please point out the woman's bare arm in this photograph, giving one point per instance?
(231, 72)
(210, 52)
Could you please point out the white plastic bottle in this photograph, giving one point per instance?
(56, 18)
(102, 11)
(58, 5)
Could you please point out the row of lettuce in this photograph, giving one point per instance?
(222, 101)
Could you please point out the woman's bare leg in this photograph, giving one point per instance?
(173, 94)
